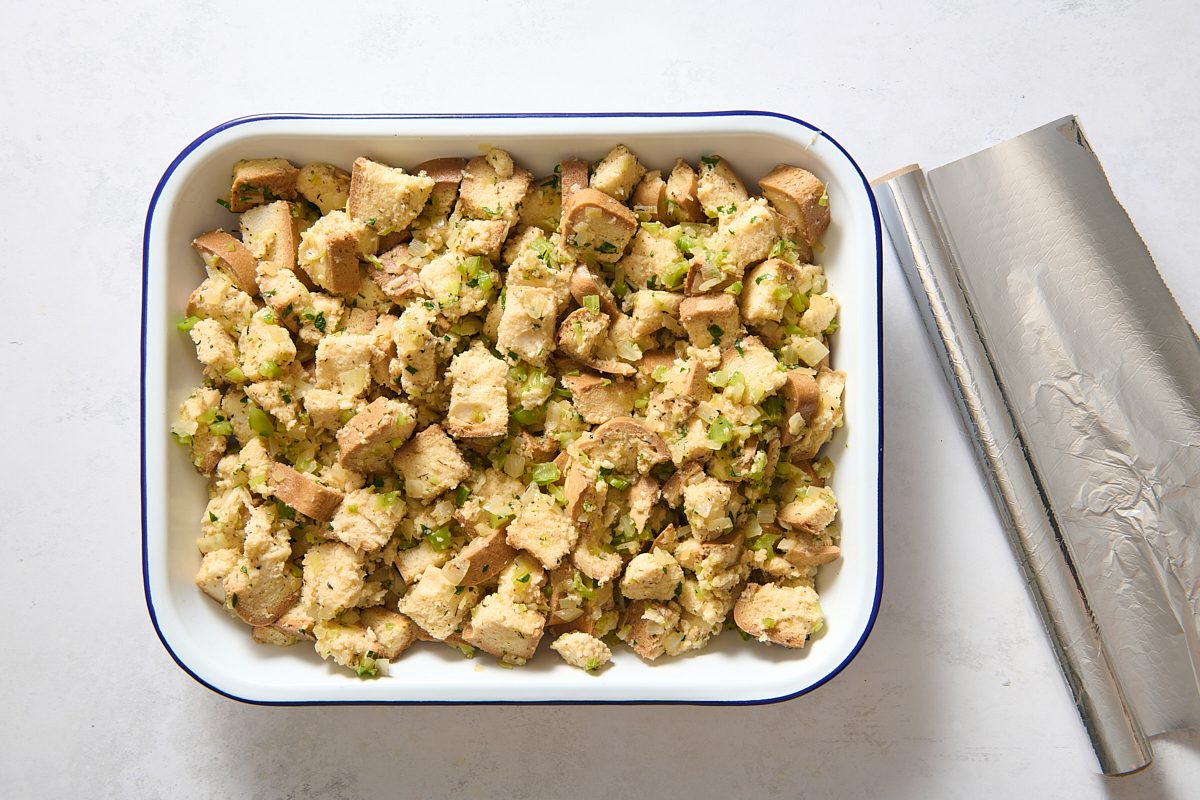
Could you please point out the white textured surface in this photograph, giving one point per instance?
(954, 695)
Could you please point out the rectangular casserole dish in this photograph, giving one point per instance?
(217, 650)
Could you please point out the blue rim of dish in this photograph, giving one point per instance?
(550, 115)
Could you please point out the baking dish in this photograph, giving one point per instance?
(217, 650)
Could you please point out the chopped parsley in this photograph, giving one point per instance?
(716, 332)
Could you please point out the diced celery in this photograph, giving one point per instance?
(674, 274)
(524, 416)
(473, 267)
(440, 538)
(583, 586)
(388, 500)
(592, 303)
(187, 323)
(260, 421)
(823, 468)
(222, 428)
(542, 247)
(687, 244)
(720, 378)
(545, 473)
(539, 381)
(496, 520)
(765, 541)
(720, 431)
(772, 408)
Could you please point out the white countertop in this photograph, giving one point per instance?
(955, 694)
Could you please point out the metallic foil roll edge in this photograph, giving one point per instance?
(932, 273)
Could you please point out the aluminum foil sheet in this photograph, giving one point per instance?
(1079, 380)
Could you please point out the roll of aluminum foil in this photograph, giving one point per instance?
(1079, 380)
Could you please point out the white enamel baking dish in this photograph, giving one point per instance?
(217, 650)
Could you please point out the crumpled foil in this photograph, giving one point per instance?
(1079, 380)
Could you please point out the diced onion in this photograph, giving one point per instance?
(514, 465)
(795, 424)
(629, 351)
